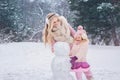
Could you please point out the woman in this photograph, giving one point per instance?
(57, 29)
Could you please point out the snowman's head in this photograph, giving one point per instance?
(61, 49)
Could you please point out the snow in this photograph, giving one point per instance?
(32, 61)
(31, 0)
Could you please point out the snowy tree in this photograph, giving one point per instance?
(22, 19)
(62, 7)
(7, 9)
(99, 17)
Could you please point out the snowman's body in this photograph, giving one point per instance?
(61, 62)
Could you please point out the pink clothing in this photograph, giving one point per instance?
(81, 69)
(76, 65)
(72, 31)
(79, 74)
(87, 72)
(80, 50)
(80, 45)
(78, 53)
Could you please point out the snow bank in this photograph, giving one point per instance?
(31, 61)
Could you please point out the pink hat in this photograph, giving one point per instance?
(80, 31)
(80, 27)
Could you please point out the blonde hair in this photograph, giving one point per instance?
(47, 31)
(47, 38)
(65, 24)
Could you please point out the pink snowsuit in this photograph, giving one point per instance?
(79, 52)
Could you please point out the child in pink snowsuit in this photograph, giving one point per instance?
(78, 55)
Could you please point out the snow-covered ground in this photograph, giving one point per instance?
(31, 61)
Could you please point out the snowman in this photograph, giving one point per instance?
(61, 62)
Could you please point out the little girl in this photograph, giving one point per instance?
(78, 55)
(57, 29)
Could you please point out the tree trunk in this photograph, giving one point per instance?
(114, 35)
(113, 30)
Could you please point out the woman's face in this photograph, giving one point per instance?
(56, 22)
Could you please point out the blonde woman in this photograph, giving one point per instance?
(57, 29)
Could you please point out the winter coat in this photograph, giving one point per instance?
(80, 48)
(62, 33)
